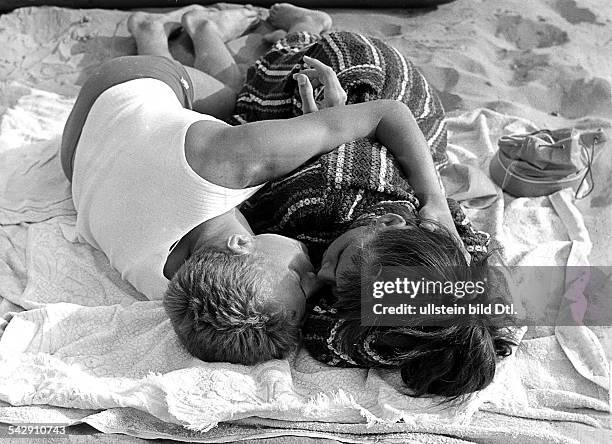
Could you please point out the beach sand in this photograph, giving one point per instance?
(546, 60)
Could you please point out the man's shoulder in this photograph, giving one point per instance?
(213, 157)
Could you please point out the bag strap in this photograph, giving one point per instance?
(589, 151)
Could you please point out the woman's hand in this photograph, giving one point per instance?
(438, 211)
(310, 78)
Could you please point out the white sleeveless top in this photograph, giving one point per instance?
(134, 192)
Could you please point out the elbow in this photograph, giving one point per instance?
(257, 172)
(396, 108)
(395, 112)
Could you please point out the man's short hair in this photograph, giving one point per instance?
(217, 304)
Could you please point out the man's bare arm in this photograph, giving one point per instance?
(261, 151)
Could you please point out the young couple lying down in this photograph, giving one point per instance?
(330, 173)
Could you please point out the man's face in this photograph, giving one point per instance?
(292, 275)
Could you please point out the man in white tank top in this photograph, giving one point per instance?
(156, 184)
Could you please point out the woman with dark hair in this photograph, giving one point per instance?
(356, 211)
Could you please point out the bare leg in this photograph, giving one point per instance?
(211, 95)
(295, 19)
(209, 32)
(151, 35)
(155, 43)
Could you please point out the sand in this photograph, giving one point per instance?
(547, 60)
(550, 58)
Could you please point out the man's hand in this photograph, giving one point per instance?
(310, 78)
(438, 211)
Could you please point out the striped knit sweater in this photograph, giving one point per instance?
(354, 183)
(367, 68)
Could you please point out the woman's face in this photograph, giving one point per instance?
(340, 255)
(338, 259)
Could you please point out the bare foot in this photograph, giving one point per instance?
(230, 23)
(140, 22)
(293, 18)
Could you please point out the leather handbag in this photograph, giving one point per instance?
(545, 161)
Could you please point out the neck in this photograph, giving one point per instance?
(215, 231)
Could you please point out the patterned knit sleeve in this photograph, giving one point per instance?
(318, 331)
(326, 337)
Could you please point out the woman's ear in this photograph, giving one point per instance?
(390, 220)
(240, 244)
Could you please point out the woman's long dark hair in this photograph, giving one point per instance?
(452, 358)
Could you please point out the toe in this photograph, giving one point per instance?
(136, 21)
